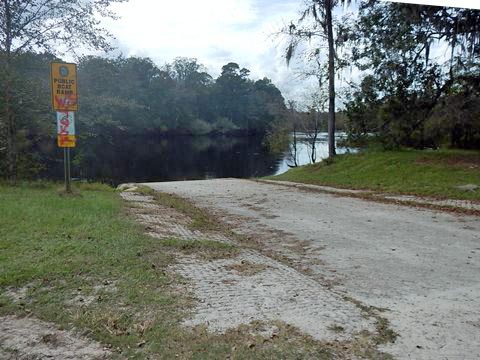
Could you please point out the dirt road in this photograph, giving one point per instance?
(422, 266)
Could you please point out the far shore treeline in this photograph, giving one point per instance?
(119, 96)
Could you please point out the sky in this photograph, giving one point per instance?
(217, 32)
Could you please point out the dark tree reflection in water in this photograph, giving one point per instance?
(145, 158)
(155, 157)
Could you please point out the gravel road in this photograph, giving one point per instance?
(423, 266)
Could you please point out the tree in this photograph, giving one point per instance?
(34, 122)
(265, 103)
(322, 28)
(406, 86)
(192, 94)
(312, 123)
(231, 90)
(36, 25)
(293, 118)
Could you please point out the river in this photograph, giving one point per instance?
(141, 158)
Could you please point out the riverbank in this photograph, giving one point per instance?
(443, 174)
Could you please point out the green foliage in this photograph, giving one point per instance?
(35, 124)
(200, 127)
(278, 139)
(456, 118)
(224, 125)
(134, 94)
(410, 97)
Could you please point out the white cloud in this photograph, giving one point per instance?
(213, 31)
(183, 28)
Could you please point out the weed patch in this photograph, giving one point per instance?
(200, 219)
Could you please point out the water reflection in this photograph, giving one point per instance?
(304, 151)
(156, 158)
(146, 158)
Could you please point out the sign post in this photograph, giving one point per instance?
(64, 101)
(66, 139)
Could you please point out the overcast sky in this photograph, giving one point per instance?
(216, 32)
(213, 31)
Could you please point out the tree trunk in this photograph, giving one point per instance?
(315, 136)
(11, 133)
(331, 80)
(295, 162)
(11, 129)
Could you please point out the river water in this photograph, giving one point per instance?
(143, 158)
(304, 151)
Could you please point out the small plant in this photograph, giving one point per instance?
(336, 328)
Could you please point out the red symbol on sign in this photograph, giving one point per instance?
(66, 140)
(66, 101)
(64, 123)
(63, 140)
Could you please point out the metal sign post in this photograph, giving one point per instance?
(69, 177)
(66, 139)
(66, 169)
(64, 101)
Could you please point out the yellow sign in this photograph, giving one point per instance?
(64, 86)
(66, 141)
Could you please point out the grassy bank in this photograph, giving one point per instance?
(428, 173)
(80, 262)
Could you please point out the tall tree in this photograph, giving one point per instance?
(36, 25)
(232, 90)
(191, 97)
(320, 11)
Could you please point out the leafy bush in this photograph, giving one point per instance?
(200, 127)
(224, 125)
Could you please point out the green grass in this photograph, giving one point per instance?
(429, 173)
(59, 247)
